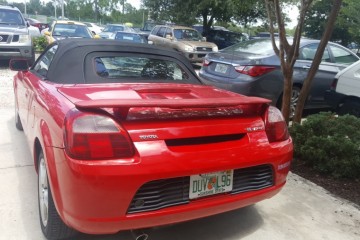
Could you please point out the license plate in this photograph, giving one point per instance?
(207, 184)
(221, 68)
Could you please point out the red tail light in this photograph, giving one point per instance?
(254, 71)
(334, 84)
(206, 62)
(92, 137)
(275, 125)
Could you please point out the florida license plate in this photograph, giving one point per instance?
(221, 68)
(207, 184)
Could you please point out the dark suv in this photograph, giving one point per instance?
(15, 39)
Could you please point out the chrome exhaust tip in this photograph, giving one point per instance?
(139, 235)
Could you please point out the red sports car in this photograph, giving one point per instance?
(125, 136)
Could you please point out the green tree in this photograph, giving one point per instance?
(209, 11)
(288, 52)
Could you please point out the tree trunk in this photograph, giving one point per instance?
(317, 60)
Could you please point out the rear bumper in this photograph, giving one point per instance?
(248, 86)
(94, 197)
(15, 51)
(199, 209)
(334, 98)
(195, 57)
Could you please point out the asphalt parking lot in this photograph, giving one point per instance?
(302, 210)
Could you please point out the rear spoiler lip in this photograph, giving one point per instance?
(170, 103)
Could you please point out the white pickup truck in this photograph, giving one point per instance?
(344, 95)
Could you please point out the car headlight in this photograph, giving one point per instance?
(215, 49)
(189, 49)
(24, 38)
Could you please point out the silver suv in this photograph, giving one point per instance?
(15, 39)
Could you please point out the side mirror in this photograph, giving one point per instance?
(168, 36)
(47, 33)
(19, 64)
(150, 42)
(204, 39)
(97, 36)
(27, 24)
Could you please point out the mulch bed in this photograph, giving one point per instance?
(345, 188)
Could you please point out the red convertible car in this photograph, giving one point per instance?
(125, 136)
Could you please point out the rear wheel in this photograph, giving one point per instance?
(295, 93)
(51, 224)
(350, 106)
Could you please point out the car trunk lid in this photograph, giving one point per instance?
(174, 113)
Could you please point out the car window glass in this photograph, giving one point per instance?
(11, 17)
(187, 35)
(259, 46)
(42, 66)
(161, 32)
(71, 30)
(140, 69)
(155, 30)
(168, 32)
(308, 53)
(342, 56)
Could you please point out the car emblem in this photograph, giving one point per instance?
(148, 137)
(1, 38)
(204, 49)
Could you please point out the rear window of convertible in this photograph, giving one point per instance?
(140, 69)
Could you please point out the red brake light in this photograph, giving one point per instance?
(90, 137)
(275, 125)
(206, 62)
(334, 84)
(254, 71)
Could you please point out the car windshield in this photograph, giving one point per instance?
(260, 47)
(11, 17)
(112, 28)
(140, 69)
(149, 26)
(129, 37)
(187, 35)
(71, 30)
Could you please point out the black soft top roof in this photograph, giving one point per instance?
(67, 65)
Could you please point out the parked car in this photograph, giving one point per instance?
(200, 28)
(130, 37)
(344, 95)
(224, 39)
(110, 30)
(15, 36)
(37, 23)
(94, 28)
(62, 29)
(146, 29)
(125, 136)
(183, 39)
(261, 35)
(252, 68)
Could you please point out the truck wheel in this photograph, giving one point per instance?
(351, 107)
(51, 224)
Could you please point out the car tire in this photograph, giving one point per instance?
(18, 123)
(294, 99)
(52, 225)
(350, 106)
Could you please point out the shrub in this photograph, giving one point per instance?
(40, 43)
(329, 144)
